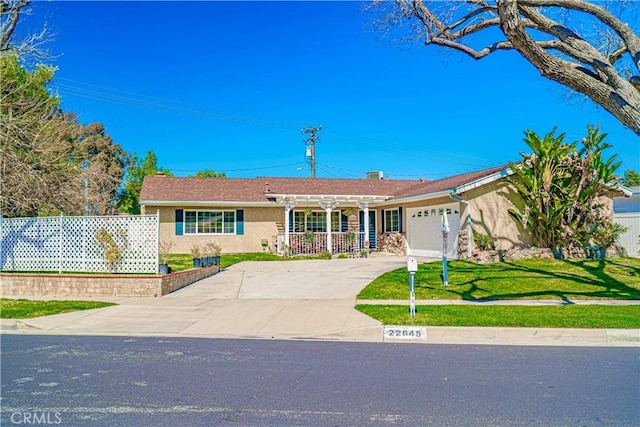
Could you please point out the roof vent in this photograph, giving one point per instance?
(266, 187)
(159, 173)
(375, 175)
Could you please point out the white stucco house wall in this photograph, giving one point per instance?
(626, 212)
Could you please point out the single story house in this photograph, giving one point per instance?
(312, 215)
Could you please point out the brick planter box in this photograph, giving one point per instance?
(100, 285)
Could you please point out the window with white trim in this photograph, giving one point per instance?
(392, 221)
(315, 221)
(335, 221)
(210, 222)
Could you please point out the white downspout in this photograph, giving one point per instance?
(469, 231)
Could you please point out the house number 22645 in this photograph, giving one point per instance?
(405, 332)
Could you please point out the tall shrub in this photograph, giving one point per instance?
(560, 184)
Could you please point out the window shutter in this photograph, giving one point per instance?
(291, 221)
(179, 222)
(400, 220)
(344, 223)
(384, 221)
(240, 222)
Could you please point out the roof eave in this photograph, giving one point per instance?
(459, 189)
(424, 196)
(205, 203)
(628, 192)
(496, 176)
(326, 198)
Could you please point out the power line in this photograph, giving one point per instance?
(367, 142)
(244, 169)
(96, 92)
(328, 172)
(116, 96)
(360, 173)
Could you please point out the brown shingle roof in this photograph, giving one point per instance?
(173, 189)
(448, 183)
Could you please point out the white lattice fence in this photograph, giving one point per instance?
(68, 243)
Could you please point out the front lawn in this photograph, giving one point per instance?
(566, 316)
(179, 262)
(615, 278)
(24, 309)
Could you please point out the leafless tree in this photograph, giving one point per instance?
(49, 162)
(30, 47)
(582, 45)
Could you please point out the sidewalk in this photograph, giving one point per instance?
(231, 321)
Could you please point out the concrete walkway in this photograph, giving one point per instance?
(311, 300)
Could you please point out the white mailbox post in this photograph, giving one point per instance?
(412, 266)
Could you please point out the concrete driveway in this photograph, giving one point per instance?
(311, 299)
(336, 279)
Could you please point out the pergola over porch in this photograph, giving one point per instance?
(328, 203)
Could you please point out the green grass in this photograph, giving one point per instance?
(24, 309)
(567, 316)
(179, 262)
(615, 278)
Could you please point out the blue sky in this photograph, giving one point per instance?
(228, 86)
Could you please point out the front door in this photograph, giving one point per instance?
(372, 229)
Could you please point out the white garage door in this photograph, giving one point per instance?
(424, 235)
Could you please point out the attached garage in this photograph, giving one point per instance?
(424, 230)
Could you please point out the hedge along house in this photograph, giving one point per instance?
(313, 215)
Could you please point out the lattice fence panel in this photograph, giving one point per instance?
(67, 243)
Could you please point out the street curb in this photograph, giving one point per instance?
(525, 336)
(443, 335)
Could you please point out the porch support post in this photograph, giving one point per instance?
(328, 208)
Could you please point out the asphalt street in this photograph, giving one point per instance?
(107, 381)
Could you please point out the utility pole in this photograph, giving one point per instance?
(311, 145)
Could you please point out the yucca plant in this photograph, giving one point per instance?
(560, 186)
(483, 242)
(606, 235)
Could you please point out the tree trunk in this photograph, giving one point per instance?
(616, 94)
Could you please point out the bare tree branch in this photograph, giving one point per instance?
(9, 13)
(572, 44)
(582, 62)
(475, 54)
(30, 48)
(632, 41)
(617, 54)
(614, 93)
